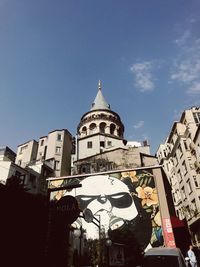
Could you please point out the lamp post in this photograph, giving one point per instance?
(108, 245)
(79, 233)
(90, 218)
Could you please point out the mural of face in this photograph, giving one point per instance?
(108, 195)
(111, 199)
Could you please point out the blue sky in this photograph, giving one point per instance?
(52, 54)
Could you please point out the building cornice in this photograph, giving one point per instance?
(102, 134)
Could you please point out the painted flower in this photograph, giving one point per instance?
(131, 174)
(56, 183)
(58, 194)
(148, 195)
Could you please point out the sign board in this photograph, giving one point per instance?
(168, 233)
(67, 209)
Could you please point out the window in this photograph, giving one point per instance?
(85, 168)
(195, 181)
(92, 128)
(89, 144)
(102, 127)
(59, 137)
(179, 176)
(23, 148)
(33, 180)
(109, 143)
(185, 144)
(177, 212)
(190, 162)
(175, 160)
(179, 151)
(174, 197)
(183, 192)
(58, 150)
(102, 144)
(167, 165)
(112, 128)
(187, 212)
(194, 206)
(189, 186)
(84, 130)
(196, 116)
(56, 165)
(119, 132)
(17, 174)
(19, 162)
(184, 168)
(42, 142)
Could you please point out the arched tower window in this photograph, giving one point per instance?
(112, 128)
(119, 132)
(84, 130)
(102, 127)
(92, 128)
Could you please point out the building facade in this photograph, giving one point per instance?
(179, 156)
(29, 178)
(54, 149)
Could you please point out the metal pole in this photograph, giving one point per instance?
(80, 246)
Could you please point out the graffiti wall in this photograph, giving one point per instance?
(123, 204)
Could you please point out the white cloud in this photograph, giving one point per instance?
(186, 67)
(138, 125)
(143, 76)
(194, 89)
(186, 70)
(183, 38)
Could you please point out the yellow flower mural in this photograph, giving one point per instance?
(58, 194)
(148, 195)
(131, 174)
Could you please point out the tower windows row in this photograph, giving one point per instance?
(102, 128)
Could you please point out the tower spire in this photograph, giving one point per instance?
(100, 102)
(99, 85)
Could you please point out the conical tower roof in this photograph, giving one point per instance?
(100, 102)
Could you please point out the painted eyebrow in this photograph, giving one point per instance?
(110, 195)
(118, 195)
(86, 197)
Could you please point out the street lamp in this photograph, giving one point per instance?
(79, 233)
(108, 245)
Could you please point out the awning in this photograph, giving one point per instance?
(176, 222)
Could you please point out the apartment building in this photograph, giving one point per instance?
(56, 149)
(53, 149)
(179, 156)
(32, 178)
